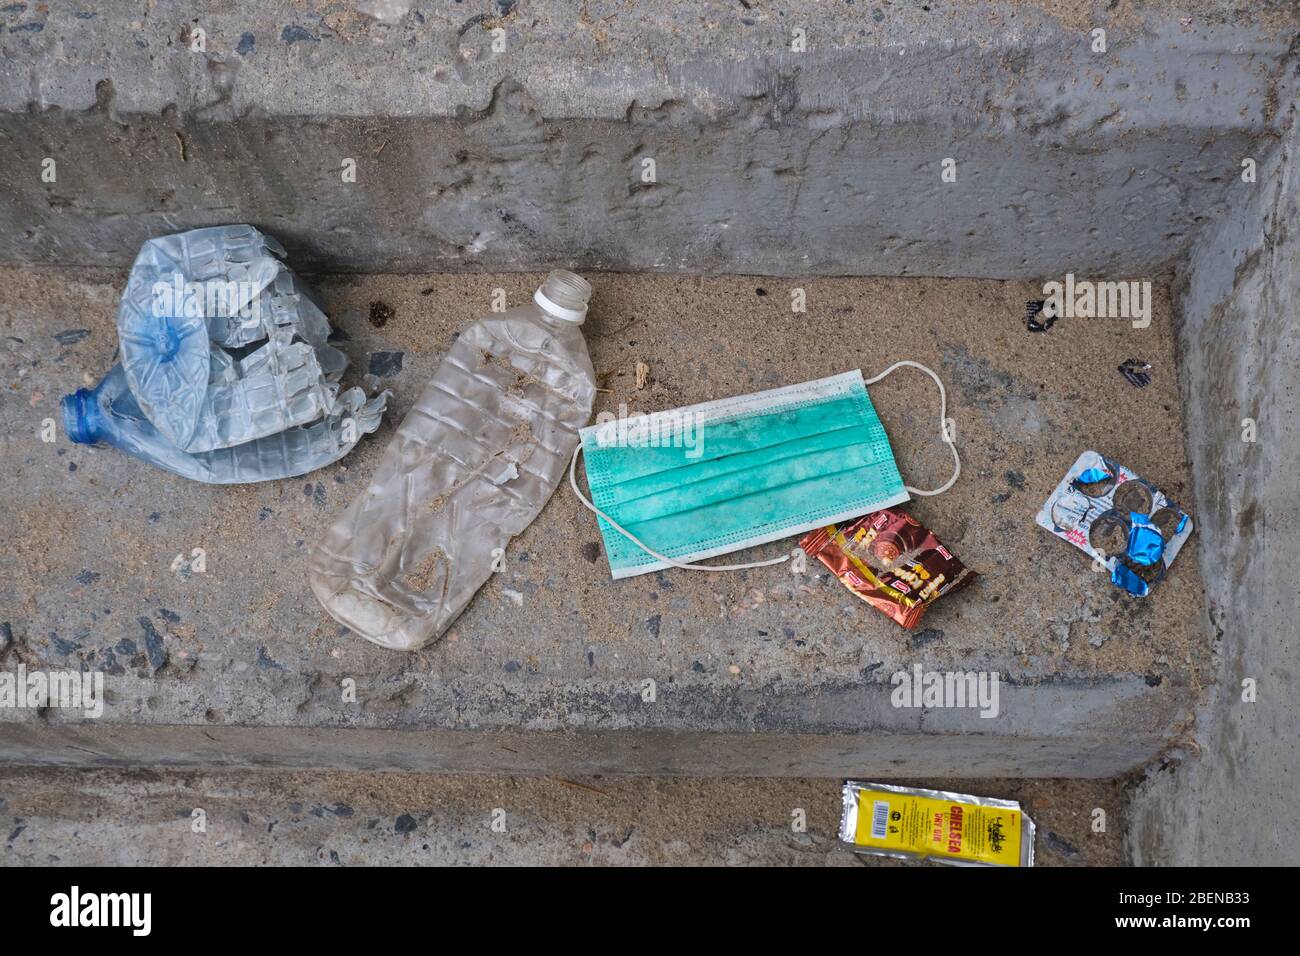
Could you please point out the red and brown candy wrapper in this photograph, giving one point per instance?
(891, 561)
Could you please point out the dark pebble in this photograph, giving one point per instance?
(296, 34)
(385, 364)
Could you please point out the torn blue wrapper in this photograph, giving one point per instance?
(1145, 545)
(1124, 577)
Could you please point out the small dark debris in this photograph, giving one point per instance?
(872, 668)
(109, 665)
(264, 514)
(652, 625)
(154, 517)
(878, 15)
(63, 645)
(17, 830)
(385, 364)
(1015, 479)
(380, 313)
(591, 551)
(1135, 370)
(591, 659)
(928, 636)
(171, 617)
(505, 6)
(154, 646)
(296, 34)
(266, 662)
(469, 24)
(1154, 680)
(1059, 844)
(70, 336)
(405, 824)
(6, 636)
(28, 28)
(87, 577)
(72, 466)
(1032, 309)
(760, 291)
(697, 667)
(342, 810)
(246, 43)
(428, 291)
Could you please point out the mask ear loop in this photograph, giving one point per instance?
(573, 481)
(943, 427)
(943, 432)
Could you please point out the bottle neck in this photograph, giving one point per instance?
(81, 416)
(563, 296)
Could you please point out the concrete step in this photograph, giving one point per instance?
(111, 818)
(756, 673)
(786, 137)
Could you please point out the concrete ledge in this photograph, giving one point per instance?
(262, 817)
(826, 161)
(759, 672)
(1054, 732)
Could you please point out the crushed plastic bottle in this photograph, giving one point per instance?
(223, 348)
(477, 457)
(110, 414)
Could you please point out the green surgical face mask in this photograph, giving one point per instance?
(691, 483)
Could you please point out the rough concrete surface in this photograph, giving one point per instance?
(1230, 801)
(759, 672)
(348, 819)
(768, 159)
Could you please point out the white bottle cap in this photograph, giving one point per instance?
(559, 311)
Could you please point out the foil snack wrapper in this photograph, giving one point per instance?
(891, 561)
(1118, 518)
(912, 823)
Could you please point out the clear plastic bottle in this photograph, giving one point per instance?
(477, 457)
(109, 413)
